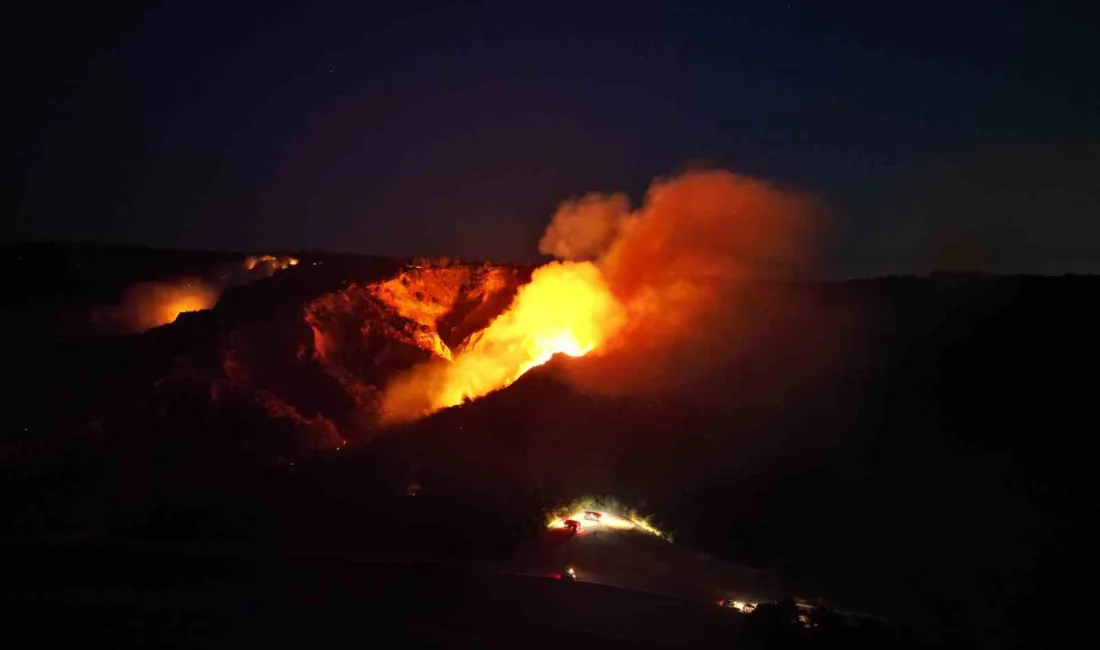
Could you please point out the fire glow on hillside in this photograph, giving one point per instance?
(565, 309)
(151, 304)
(642, 275)
(604, 520)
(602, 513)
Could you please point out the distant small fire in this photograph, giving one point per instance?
(146, 305)
(269, 263)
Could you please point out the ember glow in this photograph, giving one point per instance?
(567, 308)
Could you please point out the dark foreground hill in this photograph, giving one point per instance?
(933, 467)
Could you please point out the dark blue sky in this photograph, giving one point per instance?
(954, 134)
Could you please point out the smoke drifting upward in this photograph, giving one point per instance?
(703, 224)
(653, 292)
(584, 228)
(680, 265)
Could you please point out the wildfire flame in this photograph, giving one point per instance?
(660, 274)
(269, 263)
(592, 515)
(567, 308)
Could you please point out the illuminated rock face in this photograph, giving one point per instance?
(436, 336)
(364, 334)
(299, 361)
(566, 308)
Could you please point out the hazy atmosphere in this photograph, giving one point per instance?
(935, 134)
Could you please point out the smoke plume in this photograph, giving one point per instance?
(681, 265)
(582, 229)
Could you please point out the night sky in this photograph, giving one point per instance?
(962, 134)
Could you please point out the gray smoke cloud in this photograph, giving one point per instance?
(584, 228)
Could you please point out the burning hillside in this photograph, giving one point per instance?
(343, 346)
(645, 279)
(641, 289)
(364, 334)
(566, 309)
(325, 353)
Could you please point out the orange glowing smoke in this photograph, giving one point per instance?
(663, 282)
(566, 308)
(607, 521)
(152, 304)
(593, 513)
(682, 265)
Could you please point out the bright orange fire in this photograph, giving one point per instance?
(567, 308)
(188, 300)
